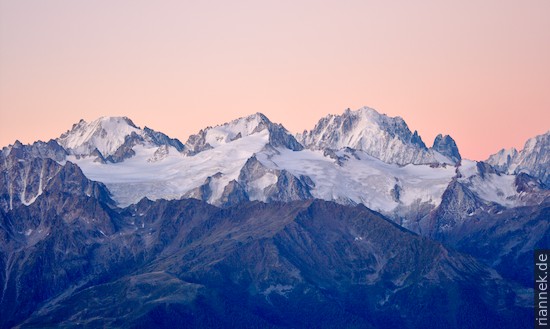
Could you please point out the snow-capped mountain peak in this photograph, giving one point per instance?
(238, 128)
(212, 137)
(533, 159)
(111, 138)
(105, 134)
(386, 138)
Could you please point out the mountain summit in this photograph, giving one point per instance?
(534, 159)
(386, 138)
(211, 137)
(111, 138)
(446, 145)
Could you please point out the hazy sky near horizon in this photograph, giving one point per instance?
(477, 70)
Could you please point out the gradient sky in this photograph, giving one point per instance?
(477, 70)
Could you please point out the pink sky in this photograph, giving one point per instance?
(477, 70)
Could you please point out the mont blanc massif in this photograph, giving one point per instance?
(356, 223)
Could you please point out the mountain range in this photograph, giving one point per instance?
(355, 223)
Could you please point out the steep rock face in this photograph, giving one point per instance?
(533, 159)
(70, 180)
(126, 149)
(161, 139)
(278, 265)
(26, 174)
(528, 184)
(503, 159)
(388, 139)
(447, 146)
(212, 137)
(24, 181)
(112, 138)
(458, 204)
(270, 185)
(233, 194)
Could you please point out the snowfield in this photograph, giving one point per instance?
(174, 175)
